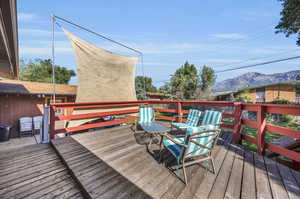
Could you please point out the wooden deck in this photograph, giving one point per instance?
(34, 171)
(97, 159)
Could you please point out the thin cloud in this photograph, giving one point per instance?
(37, 32)
(230, 36)
(29, 18)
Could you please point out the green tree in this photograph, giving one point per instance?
(41, 71)
(290, 19)
(167, 91)
(207, 77)
(142, 85)
(185, 81)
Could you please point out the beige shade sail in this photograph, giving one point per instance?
(102, 75)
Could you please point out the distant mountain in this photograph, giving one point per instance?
(253, 79)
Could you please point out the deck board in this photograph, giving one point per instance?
(94, 175)
(35, 171)
(113, 163)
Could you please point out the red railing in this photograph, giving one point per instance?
(236, 114)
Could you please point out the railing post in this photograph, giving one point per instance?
(237, 122)
(179, 112)
(261, 121)
(296, 165)
(52, 122)
(45, 130)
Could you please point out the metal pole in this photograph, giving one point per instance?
(45, 127)
(53, 58)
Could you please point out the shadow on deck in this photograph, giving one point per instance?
(112, 163)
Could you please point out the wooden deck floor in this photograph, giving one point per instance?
(34, 171)
(240, 173)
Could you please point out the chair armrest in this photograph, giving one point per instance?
(172, 139)
(176, 116)
(202, 131)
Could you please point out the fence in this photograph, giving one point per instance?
(260, 124)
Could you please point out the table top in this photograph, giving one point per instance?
(155, 127)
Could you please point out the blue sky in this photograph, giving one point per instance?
(219, 34)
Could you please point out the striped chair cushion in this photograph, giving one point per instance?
(192, 119)
(173, 147)
(180, 125)
(212, 117)
(145, 115)
(193, 148)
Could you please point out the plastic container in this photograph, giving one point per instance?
(4, 133)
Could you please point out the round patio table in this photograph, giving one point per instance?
(155, 129)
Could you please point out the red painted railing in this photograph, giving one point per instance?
(237, 108)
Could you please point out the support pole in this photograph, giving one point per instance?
(53, 59)
(45, 132)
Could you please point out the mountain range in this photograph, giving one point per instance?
(254, 79)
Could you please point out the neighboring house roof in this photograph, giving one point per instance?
(26, 87)
(275, 84)
(152, 94)
(9, 53)
(155, 94)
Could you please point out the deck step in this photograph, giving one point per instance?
(94, 176)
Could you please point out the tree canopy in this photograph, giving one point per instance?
(290, 19)
(143, 84)
(207, 78)
(185, 81)
(41, 71)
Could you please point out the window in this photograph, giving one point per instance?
(49, 100)
(260, 94)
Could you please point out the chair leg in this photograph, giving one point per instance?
(184, 173)
(161, 155)
(213, 165)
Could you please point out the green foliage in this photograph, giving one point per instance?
(185, 81)
(287, 118)
(281, 101)
(207, 77)
(290, 19)
(243, 96)
(167, 90)
(142, 85)
(41, 71)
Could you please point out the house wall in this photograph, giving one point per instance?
(286, 92)
(14, 106)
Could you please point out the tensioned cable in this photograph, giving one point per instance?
(258, 64)
(108, 39)
(256, 58)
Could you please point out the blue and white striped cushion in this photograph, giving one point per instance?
(193, 117)
(212, 117)
(180, 125)
(193, 148)
(145, 115)
(175, 148)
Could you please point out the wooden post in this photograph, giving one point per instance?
(52, 122)
(179, 112)
(237, 122)
(296, 165)
(261, 121)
